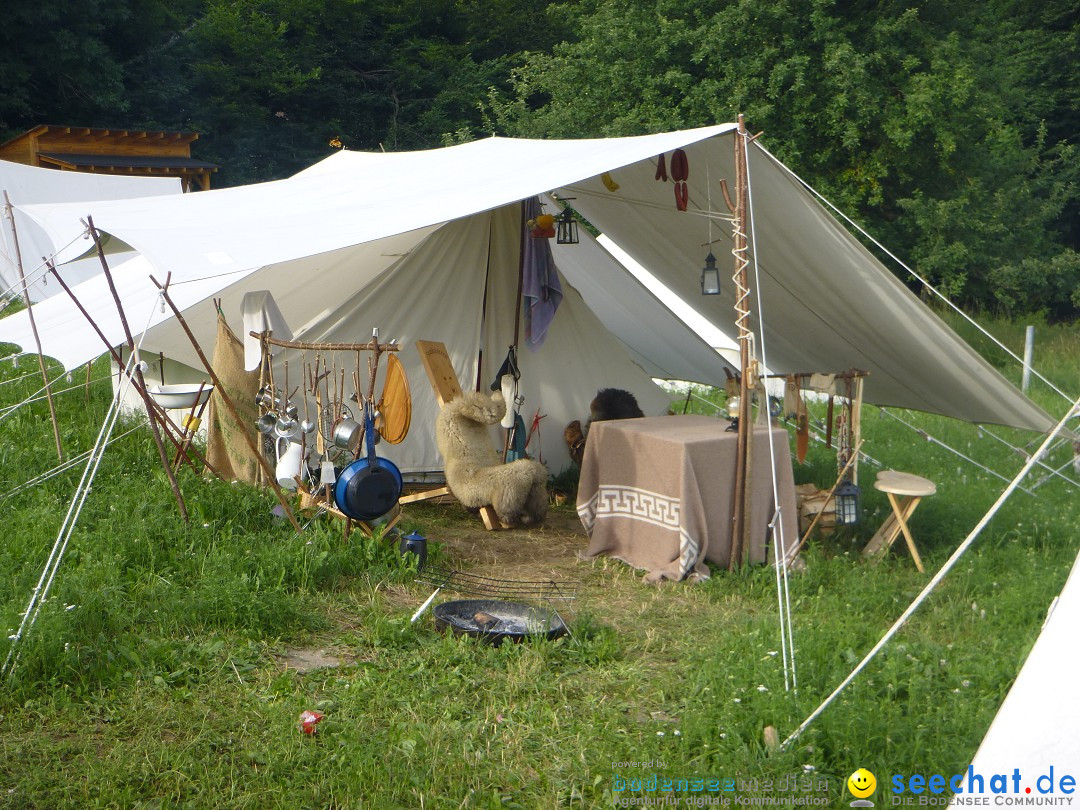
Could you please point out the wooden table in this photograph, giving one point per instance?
(657, 493)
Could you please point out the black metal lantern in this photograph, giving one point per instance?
(566, 232)
(710, 276)
(847, 503)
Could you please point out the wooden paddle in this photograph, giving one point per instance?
(395, 405)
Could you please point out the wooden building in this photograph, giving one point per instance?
(131, 152)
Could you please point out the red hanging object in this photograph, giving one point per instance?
(661, 168)
(680, 166)
(682, 196)
(680, 172)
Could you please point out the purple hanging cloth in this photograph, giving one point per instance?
(541, 291)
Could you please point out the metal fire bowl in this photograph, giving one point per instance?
(511, 620)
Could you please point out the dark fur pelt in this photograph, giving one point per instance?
(613, 403)
(609, 403)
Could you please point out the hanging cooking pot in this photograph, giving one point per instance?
(347, 434)
(369, 487)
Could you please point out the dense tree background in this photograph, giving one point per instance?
(947, 128)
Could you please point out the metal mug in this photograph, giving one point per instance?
(269, 399)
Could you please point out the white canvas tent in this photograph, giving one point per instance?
(1034, 729)
(26, 185)
(426, 244)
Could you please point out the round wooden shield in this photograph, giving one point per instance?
(395, 406)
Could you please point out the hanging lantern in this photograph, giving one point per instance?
(847, 503)
(567, 231)
(710, 276)
(734, 404)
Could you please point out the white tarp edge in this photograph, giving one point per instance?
(1034, 731)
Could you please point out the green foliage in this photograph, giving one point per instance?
(937, 126)
(947, 129)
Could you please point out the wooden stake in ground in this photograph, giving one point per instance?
(33, 327)
(151, 414)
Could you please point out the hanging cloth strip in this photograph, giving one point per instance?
(518, 440)
(541, 290)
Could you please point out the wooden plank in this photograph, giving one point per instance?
(424, 496)
(491, 520)
(444, 380)
(439, 369)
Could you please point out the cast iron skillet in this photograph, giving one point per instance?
(369, 487)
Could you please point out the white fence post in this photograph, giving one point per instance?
(1029, 345)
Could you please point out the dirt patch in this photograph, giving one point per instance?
(547, 551)
(307, 660)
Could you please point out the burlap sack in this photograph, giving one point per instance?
(226, 449)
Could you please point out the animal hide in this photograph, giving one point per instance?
(517, 491)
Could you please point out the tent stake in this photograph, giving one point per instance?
(227, 400)
(151, 414)
(33, 326)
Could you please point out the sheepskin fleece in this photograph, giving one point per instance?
(474, 472)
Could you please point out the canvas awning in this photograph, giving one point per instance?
(821, 301)
(27, 185)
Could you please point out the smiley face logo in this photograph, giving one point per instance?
(861, 783)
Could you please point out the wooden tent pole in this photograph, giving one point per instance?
(33, 327)
(227, 400)
(520, 278)
(856, 427)
(741, 523)
(151, 415)
(519, 304)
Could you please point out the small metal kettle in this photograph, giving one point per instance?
(415, 543)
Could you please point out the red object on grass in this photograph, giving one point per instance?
(308, 721)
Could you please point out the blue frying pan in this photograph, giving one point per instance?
(369, 487)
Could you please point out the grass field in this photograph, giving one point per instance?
(171, 663)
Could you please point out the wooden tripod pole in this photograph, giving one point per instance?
(151, 414)
(227, 400)
(120, 364)
(740, 521)
(33, 326)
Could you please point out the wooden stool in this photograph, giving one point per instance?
(904, 491)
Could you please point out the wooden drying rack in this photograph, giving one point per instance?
(310, 501)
